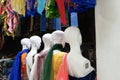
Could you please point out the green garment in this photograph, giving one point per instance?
(48, 61)
(52, 9)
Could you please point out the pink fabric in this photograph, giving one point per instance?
(12, 18)
(37, 68)
(63, 71)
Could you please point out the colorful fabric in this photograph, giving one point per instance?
(18, 6)
(63, 71)
(56, 24)
(41, 6)
(23, 67)
(16, 68)
(31, 7)
(56, 62)
(61, 8)
(79, 5)
(74, 19)
(1, 7)
(51, 9)
(3, 15)
(43, 22)
(11, 19)
(37, 68)
(48, 62)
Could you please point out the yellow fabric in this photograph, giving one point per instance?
(4, 18)
(56, 62)
(18, 6)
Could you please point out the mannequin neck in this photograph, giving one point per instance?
(46, 46)
(33, 49)
(58, 42)
(75, 49)
(24, 47)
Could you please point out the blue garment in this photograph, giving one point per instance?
(80, 5)
(31, 7)
(56, 24)
(90, 76)
(16, 68)
(43, 22)
(74, 19)
(41, 6)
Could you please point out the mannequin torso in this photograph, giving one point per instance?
(54, 57)
(57, 38)
(78, 66)
(36, 72)
(35, 45)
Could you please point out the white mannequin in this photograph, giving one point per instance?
(36, 72)
(36, 43)
(47, 41)
(78, 66)
(57, 37)
(26, 44)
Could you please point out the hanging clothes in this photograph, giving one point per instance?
(31, 7)
(18, 6)
(43, 22)
(18, 28)
(74, 19)
(16, 68)
(61, 8)
(48, 62)
(11, 19)
(51, 9)
(1, 6)
(79, 5)
(3, 15)
(56, 24)
(41, 6)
